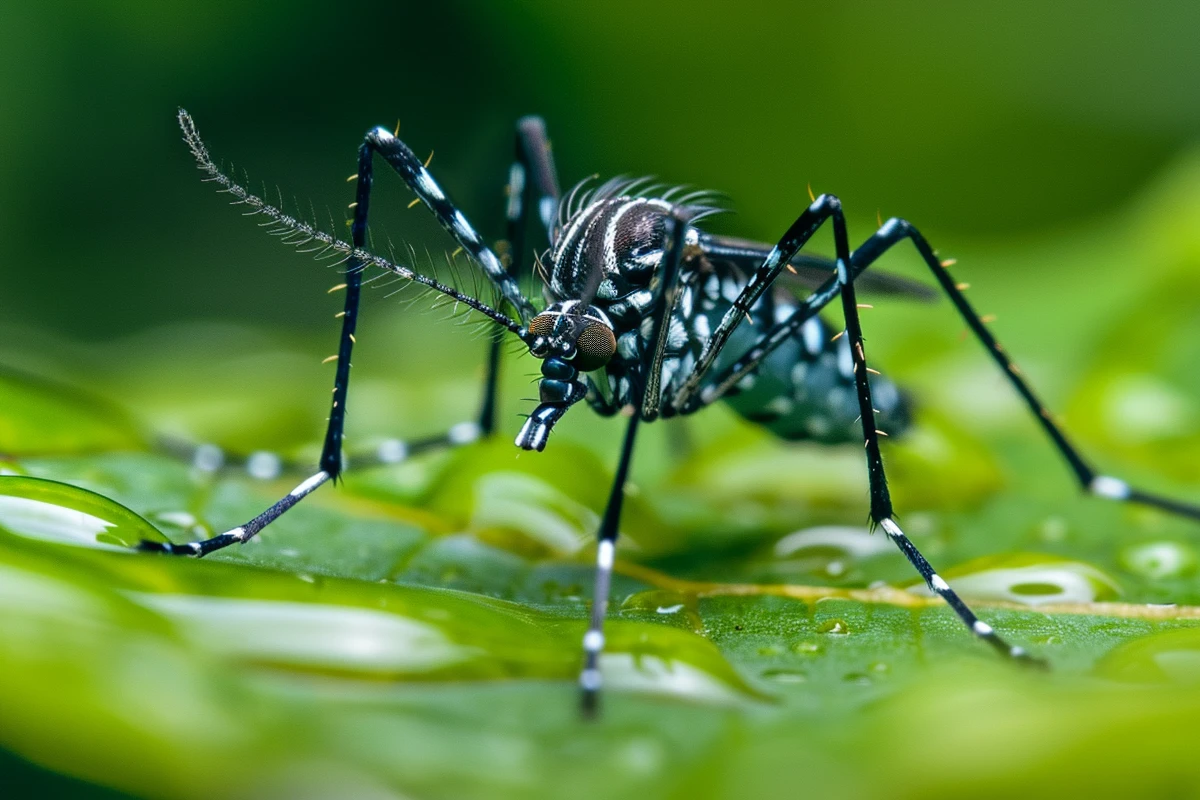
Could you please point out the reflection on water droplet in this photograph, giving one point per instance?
(520, 502)
(1158, 560)
(836, 627)
(879, 667)
(806, 648)
(309, 635)
(785, 675)
(1031, 581)
(53, 523)
(770, 650)
(660, 601)
(851, 541)
(651, 673)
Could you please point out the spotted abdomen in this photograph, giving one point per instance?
(805, 388)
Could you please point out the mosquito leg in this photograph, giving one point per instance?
(331, 453)
(593, 640)
(881, 500)
(891, 233)
(847, 268)
(532, 174)
(821, 209)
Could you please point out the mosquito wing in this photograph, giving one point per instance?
(810, 270)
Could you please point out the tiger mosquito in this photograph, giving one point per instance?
(645, 314)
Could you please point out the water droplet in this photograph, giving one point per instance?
(1157, 560)
(57, 512)
(1030, 579)
(770, 650)
(1053, 529)
(660, 601)
(879, 667)
(857, 678)
(836, 627)
(842, 540)
(806, 648)
(785, 675)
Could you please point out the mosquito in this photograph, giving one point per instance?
(645, 314)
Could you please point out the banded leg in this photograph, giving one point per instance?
(821, 209)
(593, 640)
(881, 500)
(891, 233)
(882, 515)
(331, 452)
(532, 156)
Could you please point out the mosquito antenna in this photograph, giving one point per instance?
(277, 217)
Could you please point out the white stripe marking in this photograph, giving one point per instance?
(589, 680)
(428, 186)
(938, 583)
(891, 528)
(516, 189)
(604, 555)
(1112, 488)
(310, 484)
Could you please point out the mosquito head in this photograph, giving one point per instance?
(571, 331)
(570, 338)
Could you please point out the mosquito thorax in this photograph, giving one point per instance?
(609, 247)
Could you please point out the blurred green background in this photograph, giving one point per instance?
(1051, 149)
(997, 121)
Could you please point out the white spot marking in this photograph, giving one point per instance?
(982, 628)
(546, 208)
(593, 641)
(589, 680)
(814, 336)
(208, 458)
(1112, 488)
(392, 451)
(264, 465)
(938, 583)
(845, 359)
(463, 433)
(516, 188)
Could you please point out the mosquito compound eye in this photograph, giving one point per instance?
(596, 344)
(542, 325)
